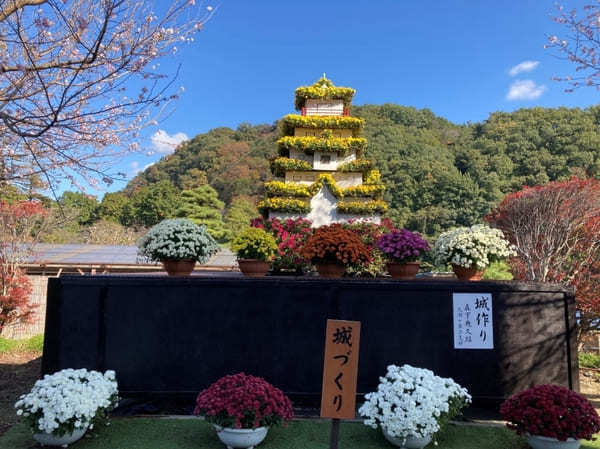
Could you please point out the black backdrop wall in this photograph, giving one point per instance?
(178, 335)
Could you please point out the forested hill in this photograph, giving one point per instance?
(437, 174)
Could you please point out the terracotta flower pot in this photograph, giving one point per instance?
(179, 267)
(254, 267)
(330, 270)
(405, 270)
(468, 274)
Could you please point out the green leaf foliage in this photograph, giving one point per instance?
(150, 204)
(85, 205)
(114, 207)
(202, 206)
(239, 213)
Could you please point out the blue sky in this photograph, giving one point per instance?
(451, 56)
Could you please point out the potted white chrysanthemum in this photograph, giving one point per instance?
(178, 243)
(412, 404)
(62, 406)
(469, 250)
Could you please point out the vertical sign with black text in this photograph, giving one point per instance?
(338, 396)
(473, 325)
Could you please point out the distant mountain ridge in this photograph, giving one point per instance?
(438, 174)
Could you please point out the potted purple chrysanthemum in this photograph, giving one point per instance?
(402, 249)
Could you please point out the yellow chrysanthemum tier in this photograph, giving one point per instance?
(292, 189)
(279, 204)
(362, 207)
(282, 164)
(357, 165)
(372, 177)
(309, 144)
(323, 122)
(323, 89)
(365, 190)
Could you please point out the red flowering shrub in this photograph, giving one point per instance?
(290, 236)
(551, 411)
(243, 402)
(15, 290)
(334, 243)
(21, 224)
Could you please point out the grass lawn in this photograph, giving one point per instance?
(33, 344)
(155, 433)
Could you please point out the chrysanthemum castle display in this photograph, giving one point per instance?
(321, 171)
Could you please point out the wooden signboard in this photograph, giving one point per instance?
(338, 396)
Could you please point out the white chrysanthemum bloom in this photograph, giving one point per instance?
(409, 402)
(476, 245)
(68, 399)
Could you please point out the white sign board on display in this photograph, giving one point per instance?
(473, 323)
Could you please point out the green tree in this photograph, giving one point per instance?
(202, 206)
(86, 206)
(152, 204)
(115, 207)
(239, 213)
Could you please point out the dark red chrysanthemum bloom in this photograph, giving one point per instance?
(551, 411)
(243, 402)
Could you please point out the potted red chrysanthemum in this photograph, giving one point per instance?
(242, 408)
(332, 247)
(551, 416)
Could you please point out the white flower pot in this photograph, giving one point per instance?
(48, 439)
(539, 442)
(411, 442)
(241, 438)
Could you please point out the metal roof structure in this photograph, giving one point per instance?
(69, 258)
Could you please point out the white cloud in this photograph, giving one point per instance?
(163, 143)
(135, 167)
(523, 67)
(525, 90)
